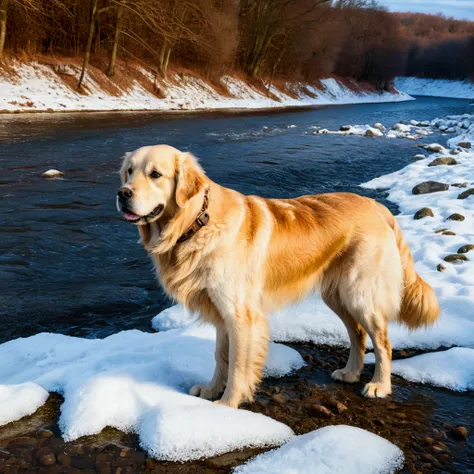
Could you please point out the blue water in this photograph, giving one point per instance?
(70, 264)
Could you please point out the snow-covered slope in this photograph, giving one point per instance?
(37, 87)
(435, 87)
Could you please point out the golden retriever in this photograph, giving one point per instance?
(234, 258)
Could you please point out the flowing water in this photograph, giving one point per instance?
(70, 264)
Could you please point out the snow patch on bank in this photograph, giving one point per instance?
(37, 87)
(137, 382)
(329, 450)
(451, 369)
(435, 87)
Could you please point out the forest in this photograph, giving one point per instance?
(260, 39)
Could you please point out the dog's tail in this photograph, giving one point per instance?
(419, 303)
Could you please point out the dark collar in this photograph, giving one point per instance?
(201, 220)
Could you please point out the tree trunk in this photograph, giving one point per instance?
(87, 52)
(118, 28)
(3, 24)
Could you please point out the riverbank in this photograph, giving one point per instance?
(435, 87)
(37, 87)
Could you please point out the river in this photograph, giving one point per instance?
(70, 264)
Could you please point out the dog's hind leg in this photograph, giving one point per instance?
(357, 335)
(248, 346)
(217, 385)
(381, 384)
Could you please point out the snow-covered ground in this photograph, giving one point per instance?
(139, 382)
(37, 87)
(332, 449)
(435, 87)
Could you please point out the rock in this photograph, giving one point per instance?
(439, 448)
(323, 131)
(422, 213)
(459, 433)
(434, 147)
(370, 132)
(400, 127)
(230, 460)
(45, 433)
(459, 185)
(455, 258)
(64, 459)
(379, 126)
(419, 157)
(280, 398)
(464, 144)
(466, 248)
(466, 194)
(443, 161)
(340, 407)
(320, 411)
(48, 459)
(424, 123)
(23, 441)
(448, 232)
(438, 231)
(344, 128)
(430, 187)
(455, 217)
(455, 152)
(52, 174)
(440, 268)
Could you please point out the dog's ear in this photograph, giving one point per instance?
(124, 167)
(189, 178)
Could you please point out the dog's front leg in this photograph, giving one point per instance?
(248, 347)
(217, 385)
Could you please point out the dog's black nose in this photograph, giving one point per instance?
(125, 193)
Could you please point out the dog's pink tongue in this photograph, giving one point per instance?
(130, 216)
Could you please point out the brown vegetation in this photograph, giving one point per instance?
(266, 40)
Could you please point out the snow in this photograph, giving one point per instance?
(52, 174)
(435, 87)
(332, 449)
(37, 87)
(453, 369)
(137, 381)
(19, 400)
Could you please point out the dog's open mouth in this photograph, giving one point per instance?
(132, 217)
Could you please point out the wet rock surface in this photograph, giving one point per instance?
(443, 161)
(430, 187)
(430, 425)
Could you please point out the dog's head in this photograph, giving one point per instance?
(157, 181)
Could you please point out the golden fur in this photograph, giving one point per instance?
(256, 255)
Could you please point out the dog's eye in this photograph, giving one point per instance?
(130, 170)
(154, 174)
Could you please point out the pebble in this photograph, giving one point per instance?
(419, 157)
(280, 398)
(344, 128)
(438, 231)
(464, 144)
(459, 185)
(430, 187)
(466, 194)
(459, 433)
(320, 411)
(440, 268)
(48, 459)
(448, 232)
(443, 161)
(422, 213)
(64, 459)
(455, 258)
(52, 174)
(456, 217)
(465, 248)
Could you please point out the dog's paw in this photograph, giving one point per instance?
(376, 390)
(208, 392)
(343, 375)
(226, 403)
